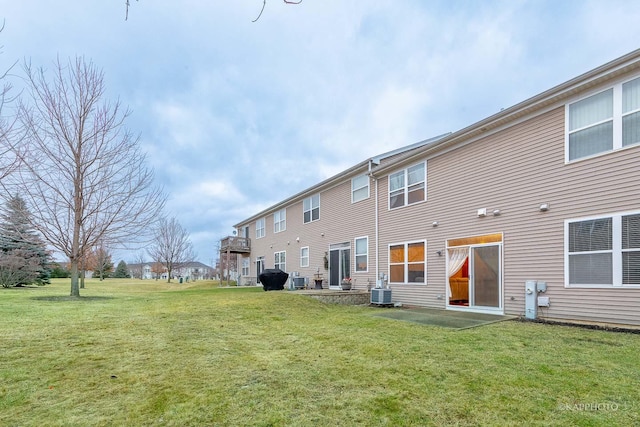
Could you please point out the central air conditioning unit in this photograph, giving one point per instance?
(381, 296)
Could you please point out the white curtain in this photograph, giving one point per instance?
(457, 257)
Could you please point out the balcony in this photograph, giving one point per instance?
(235, 245)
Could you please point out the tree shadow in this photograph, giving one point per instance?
(63, 298)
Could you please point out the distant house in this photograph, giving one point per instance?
(533, 211)
(192, 270)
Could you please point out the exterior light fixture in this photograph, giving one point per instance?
(544, 207)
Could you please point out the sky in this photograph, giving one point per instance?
(236, 115)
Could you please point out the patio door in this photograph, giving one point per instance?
(259, 267)
(474, 270)
(339, 264)
(484, 277)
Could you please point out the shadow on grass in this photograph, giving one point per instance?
(64, 298)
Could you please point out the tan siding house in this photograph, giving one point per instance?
(328, 230)
(534, 211)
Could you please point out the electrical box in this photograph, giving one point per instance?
(543, 302)
(530, 299)
(541, 286)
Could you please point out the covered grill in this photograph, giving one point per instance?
(273, 279)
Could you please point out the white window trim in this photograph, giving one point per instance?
(353, 190)
(285, 260)
(406, 187)
(261, 221)
(246, 266)
(616, 250)
(302, 258)
(281, 222)
(310, 198)
(406, 263)
(355, 255)
(617, 121)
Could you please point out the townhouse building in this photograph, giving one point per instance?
(533, 211)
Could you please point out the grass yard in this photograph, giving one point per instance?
(145, 353)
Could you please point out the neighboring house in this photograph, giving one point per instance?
(140, 271)
(533, 211)
(193, 270)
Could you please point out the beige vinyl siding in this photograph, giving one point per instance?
(515, 170)
(340, 221)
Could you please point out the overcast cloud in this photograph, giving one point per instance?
(236, 116)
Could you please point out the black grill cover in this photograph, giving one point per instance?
(273, 279)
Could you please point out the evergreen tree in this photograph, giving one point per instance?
(59, 271)
(122, 271)
(24, 258)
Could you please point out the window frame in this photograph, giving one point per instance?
(406, 262)
(617, 120)
(261, 225)
(616, 251)
(280, 258)
(365, 254)
(310, 200)
(280, 220)
(304, 257)
(354, 190)
(246, 267)
(406, 188)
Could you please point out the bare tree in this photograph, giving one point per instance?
(9, 131)
(171, 246)
(101, 260)
(83, 175)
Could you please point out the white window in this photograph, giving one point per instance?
(280, 260)
(359, 188)
(603, 251)
(245, 266)
(362, 254)
(606, 121)
(407, 186)
(407, 262)
(311, 208)
(280, 221)
(304, 256)
(260, 228)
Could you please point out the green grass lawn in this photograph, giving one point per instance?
(146, 353)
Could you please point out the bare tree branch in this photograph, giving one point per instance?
(83, 176)
(10, 135)
(264, 3)
(171, 246)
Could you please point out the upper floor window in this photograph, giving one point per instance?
(407, 263)
(603, 122)
(311, 208)
(603, 251)
(260, 228)
(304, 256)
(359, 188)
(362, 254)
(280, 260)
(280, 220)
(407, 186)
